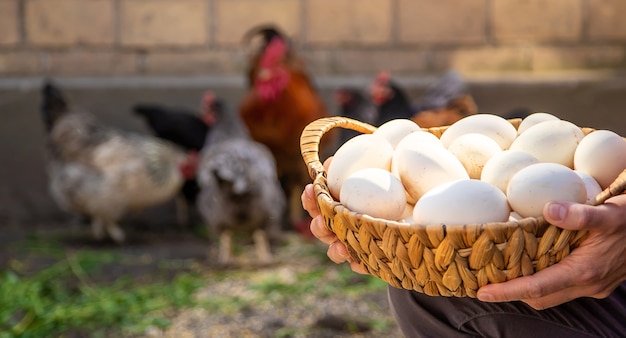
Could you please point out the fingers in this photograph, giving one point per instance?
(308, 201)
(338, 253)
(319, 230)
(574, 216)
(550, 281)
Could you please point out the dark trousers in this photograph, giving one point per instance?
(419, 315)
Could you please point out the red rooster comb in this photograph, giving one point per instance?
(379, 89)
(274, 52)
(208, 98)
(207, 113)
(383, 77)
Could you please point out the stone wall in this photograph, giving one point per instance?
(338, 37)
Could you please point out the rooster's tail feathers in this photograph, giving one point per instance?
(54, 103)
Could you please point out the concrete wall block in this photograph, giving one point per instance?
(9, 22)
(482, 59)
(537, 20)
(195, 63)
(606, 20)
(344, 21)
(235, 17)
(442, 21)
(90, 63)
(164, 23)
(318, 61)
(578, 57)
(372, 61)
(70, 22)
(19, 63)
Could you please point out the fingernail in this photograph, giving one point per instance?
(556, 211)
(485, 297)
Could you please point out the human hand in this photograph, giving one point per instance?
(337, 252)
(594, 269)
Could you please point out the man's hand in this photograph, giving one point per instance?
(594, 269)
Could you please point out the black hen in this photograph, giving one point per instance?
(391, 101)
(178, 125)
(354, 103)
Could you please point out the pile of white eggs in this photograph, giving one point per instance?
(482, 169)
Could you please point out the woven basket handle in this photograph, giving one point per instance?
(618, 187)
(312, 135)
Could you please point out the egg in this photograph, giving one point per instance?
(551, 141)
(591, 185)
(601, 154)
(533, 119)
(359, 152)
(494, 126)
(395, 130)
(474, 150)
(513, 217)
(422, 167)
(502, 166)
(407, 214)
(374, 192)
(462, 202)
(537, 184)
(414, 139)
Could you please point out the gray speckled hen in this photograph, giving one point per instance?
(239, 188)
(103, 173)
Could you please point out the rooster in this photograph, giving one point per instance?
(185, 128)
(101, 172)
(280, 102)
(443, 104)
(239, 188)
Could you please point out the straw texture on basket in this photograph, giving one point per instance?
(434, 259)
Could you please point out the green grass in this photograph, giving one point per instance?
(64, 294)
(60, 299)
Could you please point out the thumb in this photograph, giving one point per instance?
(575, 216)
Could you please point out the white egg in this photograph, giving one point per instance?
(514, 217)
(537, 184)
(462, 202)
(395, 130)
(502, 166)
(374, 192)
(494, 126)
(422, 167)
(533, 119)
(551, 141)
(414, 139)
(591, 185)
(474, 150)
(361, 151)
(601, 154)
(407, 214)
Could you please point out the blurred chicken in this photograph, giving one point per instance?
(239, 188)
(104, 173)
(391, 101)
(185, 128)
(354, 103)
(180, 126)
(280, 102)
(444, 103)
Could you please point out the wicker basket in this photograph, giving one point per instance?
(433, 259)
